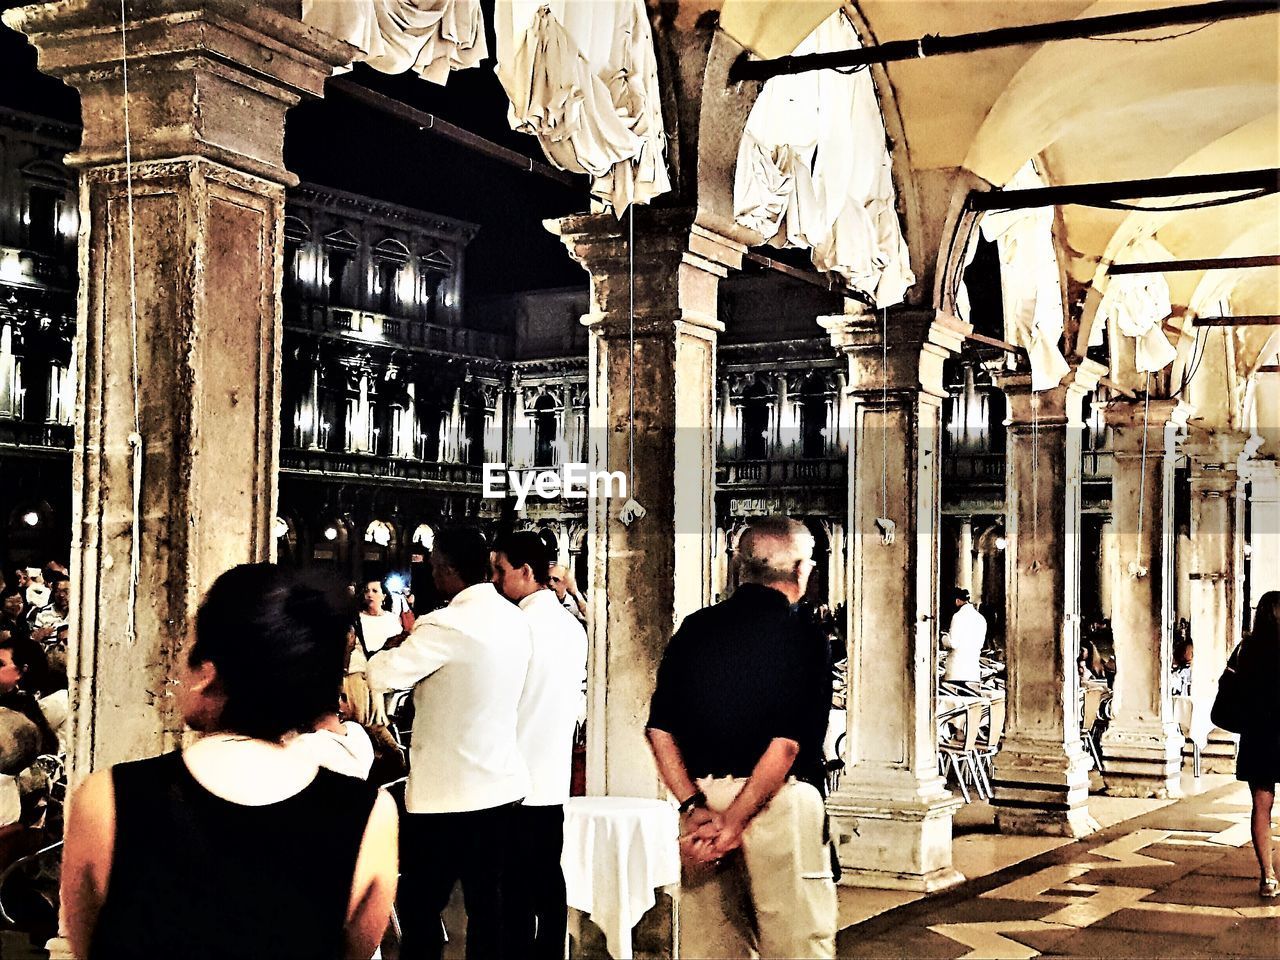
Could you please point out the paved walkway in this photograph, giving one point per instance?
(1180, 881)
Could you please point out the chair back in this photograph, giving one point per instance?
(995, 726)
(1092, 705)
(1182, 707)
(972, 722)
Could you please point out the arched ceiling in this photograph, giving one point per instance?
(1203, 100)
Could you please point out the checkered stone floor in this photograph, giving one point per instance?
(1180, 881)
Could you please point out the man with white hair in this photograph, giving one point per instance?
(736, 726)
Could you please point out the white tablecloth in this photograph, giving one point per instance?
(617, 852)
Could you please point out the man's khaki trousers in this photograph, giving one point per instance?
(774, 897)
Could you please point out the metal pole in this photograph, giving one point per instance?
(1182, 266)
(1261, 180)
(934, 46)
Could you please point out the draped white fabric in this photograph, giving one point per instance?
(814, 171)
(1137, 305)
(582, 77)
(1029, 282)
(430, 37)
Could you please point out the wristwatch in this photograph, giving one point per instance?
(695, 799)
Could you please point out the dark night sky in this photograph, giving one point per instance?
(339, 143)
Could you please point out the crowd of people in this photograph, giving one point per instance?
(289, 848)
(35, 607)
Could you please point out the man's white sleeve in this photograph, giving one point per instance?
(426, 650)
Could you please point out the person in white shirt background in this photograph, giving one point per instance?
(466, 664)
(549, 709)
(567, 592)
(963, 641)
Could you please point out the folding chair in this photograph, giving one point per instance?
(1092, 705)
(989, 745)
(958, 754)
(1182, 710)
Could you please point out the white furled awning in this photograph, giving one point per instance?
(814, 171)
(430, 37)
(1136, 305)
(582, 77)
(1030, 283)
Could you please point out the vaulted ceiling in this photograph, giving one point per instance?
(1170, 101)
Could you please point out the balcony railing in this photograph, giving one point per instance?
(988, 468)
(373, 327)
(336, 463)
(827, 471)
(51, 436)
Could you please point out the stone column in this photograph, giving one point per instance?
(1041, 777)
(209, 85)
(646, 576)
(1264, 530)
(964, 554)
(1216, 576)
(1109, 565)
(1142, 746)
(893, 811)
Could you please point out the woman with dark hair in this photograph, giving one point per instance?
(24, 670)
(239, 845)
(1258, 763)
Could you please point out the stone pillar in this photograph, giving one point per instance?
(1142, 746)
(1216, 576)
(1264, 530)
(647, 576)
(964, 555)
(1041, 776)
(893, 812)
(209, 85)
(1109, 565)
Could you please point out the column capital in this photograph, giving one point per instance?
(668, 278)
(1218, 451)
(1056, 406)
(919, 341)
(208, 78)
(1161, 416)
(1264, 474)
(600, 241)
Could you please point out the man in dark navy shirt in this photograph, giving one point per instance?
(736, 725)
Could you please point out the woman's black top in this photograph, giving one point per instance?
(197, 876)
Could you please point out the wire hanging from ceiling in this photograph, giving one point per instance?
(135, 438)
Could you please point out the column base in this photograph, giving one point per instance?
(1042, 789)
(1219, 754)
(1143, 761)
(60, 949)
(895, 844)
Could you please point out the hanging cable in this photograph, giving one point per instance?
(887, 527)
(135, 438)
(1035, 472)
(631, 510)
(1137, 569)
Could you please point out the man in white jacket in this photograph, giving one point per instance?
(549, 710)
(964, 640)
(466, 664)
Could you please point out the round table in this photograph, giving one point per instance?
(618, 851)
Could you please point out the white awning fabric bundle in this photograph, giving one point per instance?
(582, 77)
(814, 171)
(430, 37)
(1137, 305)
(1029, 282)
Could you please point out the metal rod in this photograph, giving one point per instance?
(825, 281)
(430, 123)
(931, 45)
(1206, 263)
(1013, 348)
(1257, 320)
(1268, 179)
(1269, 368)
